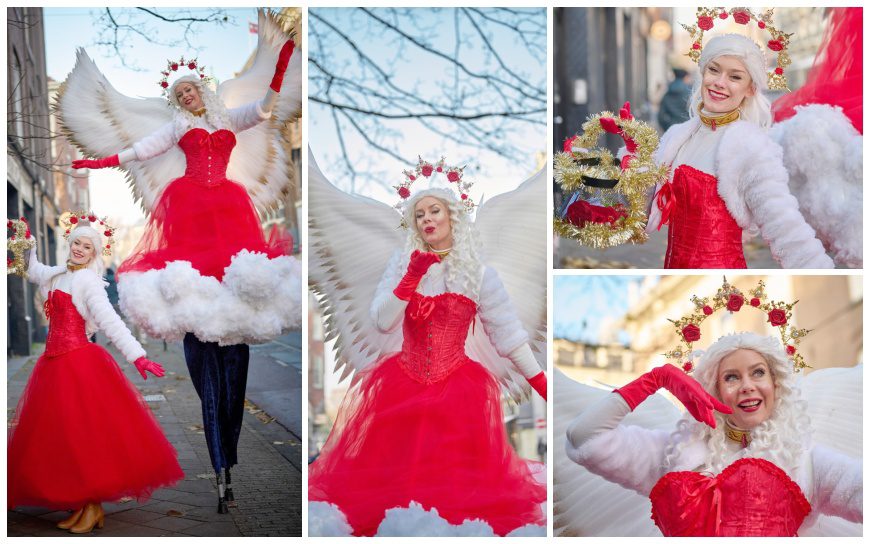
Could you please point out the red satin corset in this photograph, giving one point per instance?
(435, 329)
(751, 497)
(66, 327)
(207, 154)
(702, 233)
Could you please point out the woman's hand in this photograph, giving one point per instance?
(698, 402)
(96, 163)
(281, 65)
(417, 268)
(142, 365)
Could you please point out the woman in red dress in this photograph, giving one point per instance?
(82, 434)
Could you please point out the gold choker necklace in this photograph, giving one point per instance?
(717, 121)
(441, 252)
(737, 435)
(72, 267)
(198, 113)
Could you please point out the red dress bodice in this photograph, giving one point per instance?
(66, 327)
(702, 232)
(207, 154)
(435, 330)
(751, 497)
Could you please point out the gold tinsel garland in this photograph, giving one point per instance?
(634, 182)
(18, 243)
(757, 299)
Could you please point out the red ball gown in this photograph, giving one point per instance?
(751, 497)
(426, 425)
(203, 217)
(82, 433)
(702, 232)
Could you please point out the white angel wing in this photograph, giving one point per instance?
(513, 232)
(351, 239)
(835, 400)
(823, 154)
(585, 504)
(261, 159)
(100, 121)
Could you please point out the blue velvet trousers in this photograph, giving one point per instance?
(220, 375)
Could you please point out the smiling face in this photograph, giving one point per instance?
(432, 219)
(188, 96)
(725, 84)
(82, 251)
(745, 383)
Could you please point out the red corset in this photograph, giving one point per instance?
(435, 330)
(751, 497)
(207, 154)
(66, 327)
(702, 233)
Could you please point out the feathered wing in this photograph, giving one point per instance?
(101, 122)
(585, 504)
(261, 160)
(513, 230)
(351, 239)
(835, 401)
(823, 154)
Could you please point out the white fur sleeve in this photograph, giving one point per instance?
(157, 143)
(838, 485)
(630, 456)
(498, 317)
(792, 241)
(387, 309)
(105, 318)
(249, 115)
(37, 272)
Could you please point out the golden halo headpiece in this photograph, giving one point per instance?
(453, 174)
(173, 67)
(17, 243)
(778, 43)
(732, 299)
(583, 165)
(70, 220)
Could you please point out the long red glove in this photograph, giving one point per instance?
(417, 267)
(698, 402)
(96, 163)
(281, 65)
(142, 364)
(539, 383)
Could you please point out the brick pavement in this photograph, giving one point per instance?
(267, 487)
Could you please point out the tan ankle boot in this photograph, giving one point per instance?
(70, 521)
(91, 516)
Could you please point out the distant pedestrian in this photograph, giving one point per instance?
(674, 106)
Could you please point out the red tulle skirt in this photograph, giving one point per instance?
(205, 224)
(82, 433)
(443, 445)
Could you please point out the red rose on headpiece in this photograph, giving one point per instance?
(735, 302)
(696, 45)
(777, 317)
(439, 169)
(404, 192)
(164, 84)
(107, 233)
(412, 178)
(453, 176)
(691, 333)
(92, 218)
(790, 349)
(426, 170)
(174, 66)
(775, 45)
(741, 17)
(191, 65)
(705, 22)
(778, 71)
(755, 302)
(707, 310)
(568, 144)
(73, 220)
(688, 367)
(761, 25)
(463, 196)
(723, 15)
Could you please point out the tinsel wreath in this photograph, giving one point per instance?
(636, 175)
(18, 243)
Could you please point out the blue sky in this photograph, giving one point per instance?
(582, 304)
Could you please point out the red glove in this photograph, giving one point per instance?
(96, 163)
(698, 402)
(142, 364)
(539, 383)
(417, 267)
(281, 65)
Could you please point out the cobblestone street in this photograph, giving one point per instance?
(267, 483)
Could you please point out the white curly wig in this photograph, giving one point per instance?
(89, 232)
(463, 266)
(755, 107)
(780, 439)
(215, 111)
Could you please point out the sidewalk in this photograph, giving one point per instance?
(266, 484)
